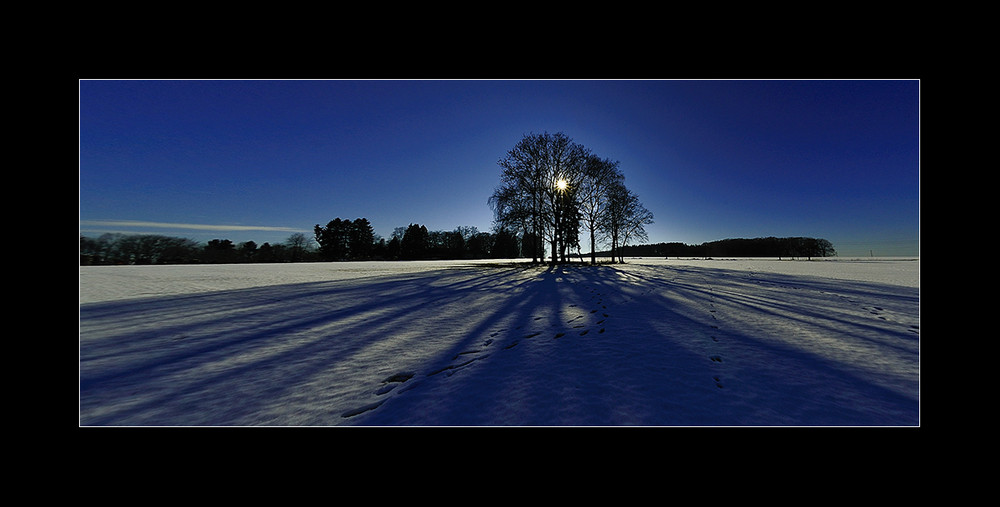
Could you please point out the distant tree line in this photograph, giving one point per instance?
(157, 249)
(756, 247)
(339, 240)
(552, 189)
(346, 240)
(414, 242)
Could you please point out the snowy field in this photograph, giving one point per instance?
(654, 342)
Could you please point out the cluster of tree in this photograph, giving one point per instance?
(157, 249)
(339, 240)
(346, 240)
(550, 188)
(739, 247)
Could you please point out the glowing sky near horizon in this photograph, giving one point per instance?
(711, 159)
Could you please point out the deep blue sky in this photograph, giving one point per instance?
(711, 159)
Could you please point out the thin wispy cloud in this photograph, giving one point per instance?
(196, 227)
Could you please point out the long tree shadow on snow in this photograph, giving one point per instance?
(279, 355)
(565, 360)
(803, 350)
(696, 350)
(225, 358)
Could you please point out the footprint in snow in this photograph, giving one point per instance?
(385, 389)
(390, 383)
(450, 369)
(393, 382)
(361, 410)
(399, 377)
(464, 353)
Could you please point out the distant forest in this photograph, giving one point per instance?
(739, 247)
(354, 240)
(339, 240)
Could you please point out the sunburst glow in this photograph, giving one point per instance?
(561, 184)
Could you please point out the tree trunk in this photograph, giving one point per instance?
(593, 253)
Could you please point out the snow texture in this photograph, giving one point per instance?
(653, 342)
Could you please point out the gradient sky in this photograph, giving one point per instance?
(711, 159)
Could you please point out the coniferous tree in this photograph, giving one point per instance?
(333, 239)
(415, 242)
(361, 239)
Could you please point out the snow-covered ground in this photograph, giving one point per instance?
(724, 342)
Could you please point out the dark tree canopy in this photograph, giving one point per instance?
(790, 247)
(550, 186)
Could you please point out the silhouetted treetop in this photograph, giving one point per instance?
(550, 186)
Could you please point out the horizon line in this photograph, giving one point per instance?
(199, 227)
